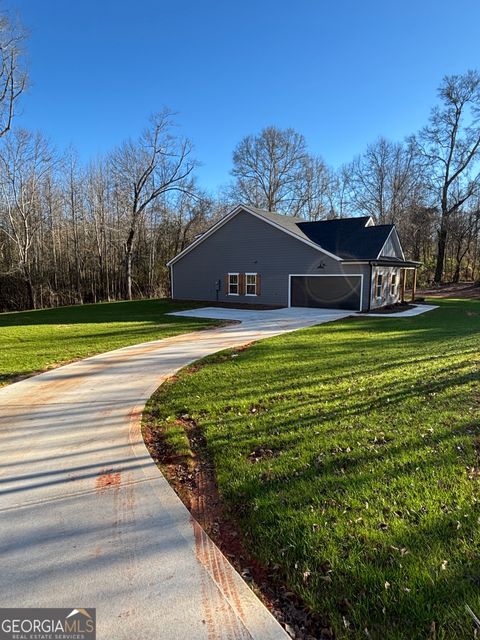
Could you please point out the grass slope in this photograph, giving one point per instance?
(370, 501)
(32, 341)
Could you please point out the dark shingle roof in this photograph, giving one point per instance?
(347, 238)
(289, 223)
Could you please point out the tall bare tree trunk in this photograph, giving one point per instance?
(30, 288)
(128, 262)
(441, 249)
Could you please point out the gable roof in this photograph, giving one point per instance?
(288, 224)
(341, 238)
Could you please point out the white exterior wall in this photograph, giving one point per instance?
(386, 297)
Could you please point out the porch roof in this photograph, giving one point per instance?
(390, 261)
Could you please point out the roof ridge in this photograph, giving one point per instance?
(346, 218)
(302, 220)
(274, 213)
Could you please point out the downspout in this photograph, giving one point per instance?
(370, 287)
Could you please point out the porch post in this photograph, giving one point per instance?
(404, 277)
(414, 285)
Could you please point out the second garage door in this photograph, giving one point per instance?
(328, 292)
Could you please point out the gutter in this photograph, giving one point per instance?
(370, 287)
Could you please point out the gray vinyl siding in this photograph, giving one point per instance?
(247, 244)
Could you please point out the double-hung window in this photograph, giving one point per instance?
(233, 284)
(393, 284)
(250, 284)
(379, 285)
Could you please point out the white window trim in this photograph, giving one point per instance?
(251, 295)
(233, 273)
(379, 285)
(393, 284)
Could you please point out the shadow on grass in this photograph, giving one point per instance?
(404, 563)
(36, 341)
(376, 422)
(104, 312)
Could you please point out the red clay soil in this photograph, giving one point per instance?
(454, 290)
(193, 478)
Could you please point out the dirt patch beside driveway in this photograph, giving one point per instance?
(458, 290)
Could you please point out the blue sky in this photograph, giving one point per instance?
(341, 72)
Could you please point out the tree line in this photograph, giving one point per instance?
(73, 233)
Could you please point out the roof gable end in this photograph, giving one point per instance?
(394, 239)
(287, 224)
(343, 239)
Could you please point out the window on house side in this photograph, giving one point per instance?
(379, 287)
(233, 284)
(251, 284)
(393, 285)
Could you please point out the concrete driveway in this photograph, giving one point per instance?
(86, 518)
(286, 315)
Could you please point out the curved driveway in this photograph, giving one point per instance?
(86, 518)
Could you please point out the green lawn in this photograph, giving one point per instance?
(32, 341)
(370, 502)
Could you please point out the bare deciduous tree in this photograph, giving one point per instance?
(450, 146)
(463, 228)
(338, 193)
(25, 161)
(268, 168)
(157, 163)
(311, 191)
(384, 180)
(13, 76)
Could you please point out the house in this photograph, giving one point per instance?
(253, 256)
